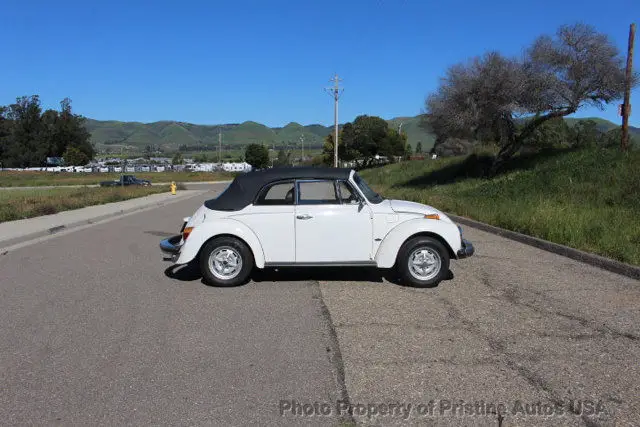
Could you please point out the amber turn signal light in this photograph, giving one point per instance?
(432, 216)
(186, 232)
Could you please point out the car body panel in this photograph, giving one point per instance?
(275, 229)
(396, 236)
(333, 233)
(205, 230)
(404, 206)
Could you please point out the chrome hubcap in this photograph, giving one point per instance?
(424, 263)
(225, 263)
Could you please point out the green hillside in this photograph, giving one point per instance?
(170, 135)
(602, 124)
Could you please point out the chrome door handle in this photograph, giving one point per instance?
(305, 216)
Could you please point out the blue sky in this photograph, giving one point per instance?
(211, 62)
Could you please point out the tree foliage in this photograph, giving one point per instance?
(73, 156)
(28, 135)
(257, 155)
(363, 139)
(177, 159)
(283, 159)
(506, 100)
(585, 133)
(201, 158)
(419, 147)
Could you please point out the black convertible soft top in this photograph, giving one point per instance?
(244, 188)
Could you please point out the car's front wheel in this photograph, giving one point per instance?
(423, 262)
(226, 261)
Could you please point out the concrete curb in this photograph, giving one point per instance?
(5, 244)
(586, 257)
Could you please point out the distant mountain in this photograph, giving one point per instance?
(169, 135)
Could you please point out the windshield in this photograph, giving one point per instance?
(371, 195)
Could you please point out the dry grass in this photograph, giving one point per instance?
(37, 179)
(21, 204)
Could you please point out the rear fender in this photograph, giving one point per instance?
(388, 250)
(201, 233)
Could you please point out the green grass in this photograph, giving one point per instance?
(586, 199)
(21, 204)
(36, 179)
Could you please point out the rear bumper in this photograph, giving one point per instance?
(170, 248)
(466, 250)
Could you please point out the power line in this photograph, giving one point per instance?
(335, 91)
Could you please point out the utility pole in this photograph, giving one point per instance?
(335, 91)
(220, 145)
(626, 107)
(302, 142)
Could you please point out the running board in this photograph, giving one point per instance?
(322, 264)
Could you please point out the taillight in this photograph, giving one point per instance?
(186, 232)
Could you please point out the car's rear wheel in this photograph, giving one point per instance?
(423, 262)
(226, 261)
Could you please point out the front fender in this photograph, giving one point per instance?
(206, 230)
(388, 249)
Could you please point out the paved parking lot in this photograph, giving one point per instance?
(98, 330)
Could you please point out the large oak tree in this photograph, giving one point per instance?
(502, 99)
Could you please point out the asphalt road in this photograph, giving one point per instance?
(514, 327)
(94, 331)
(97, 330)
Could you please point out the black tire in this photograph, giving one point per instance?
(233, 247)
(434, 248)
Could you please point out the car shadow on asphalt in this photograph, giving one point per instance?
(191, 272)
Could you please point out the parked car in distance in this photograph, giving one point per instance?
(310, 216)
(126, 180)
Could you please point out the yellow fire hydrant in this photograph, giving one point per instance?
(173, 187)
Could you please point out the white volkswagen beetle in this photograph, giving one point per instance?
(309, 216)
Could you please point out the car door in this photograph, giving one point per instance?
(271, 217)
(330, 228)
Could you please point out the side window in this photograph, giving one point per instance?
(280, 193)
(317, 193)
(347, 194)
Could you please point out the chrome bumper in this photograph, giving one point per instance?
(467, 249)
(171, 248)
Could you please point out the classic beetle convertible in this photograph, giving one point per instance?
(310, 216)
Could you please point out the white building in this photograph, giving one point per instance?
(236, 167)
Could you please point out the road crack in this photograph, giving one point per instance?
(514, 295)
(498, 348)
(334, 353)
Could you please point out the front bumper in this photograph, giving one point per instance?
(170, 248)
(466, 250)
